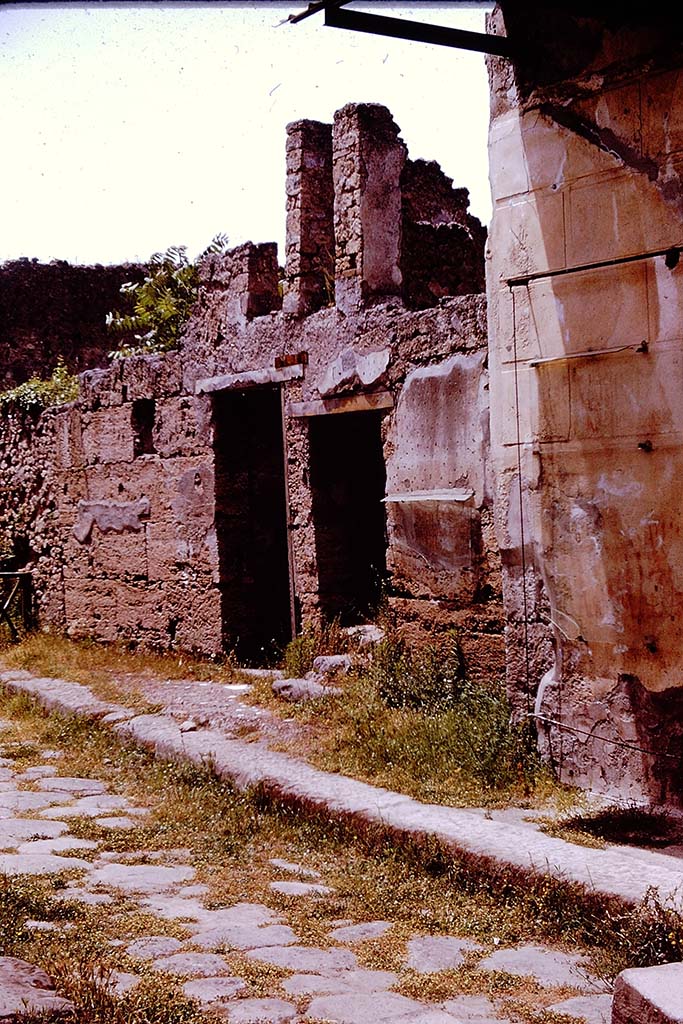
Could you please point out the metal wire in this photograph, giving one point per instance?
(603, 739)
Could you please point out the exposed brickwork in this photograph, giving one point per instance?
(442, 244)
(368, 160)
(309, 246)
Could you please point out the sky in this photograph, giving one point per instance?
(127, 128)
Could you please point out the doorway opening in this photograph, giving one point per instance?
(348, 479)
(251, 523)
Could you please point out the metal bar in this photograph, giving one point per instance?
(522, 280)
(641, 347)
(419, 32)
(314, 8)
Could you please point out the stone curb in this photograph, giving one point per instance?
(625, 875)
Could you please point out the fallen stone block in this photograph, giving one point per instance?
(296, 690)
(332, 664)
(649, 995)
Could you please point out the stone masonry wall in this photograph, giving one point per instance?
(585, 376)
(55, 309)
(442, 245)
(141, 544)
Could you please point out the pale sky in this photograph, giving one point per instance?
(126, 129)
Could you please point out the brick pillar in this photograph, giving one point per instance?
(309, 249)
(248, 278)
(368, 159)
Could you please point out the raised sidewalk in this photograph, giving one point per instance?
(626, 874)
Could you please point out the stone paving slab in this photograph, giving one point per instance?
(245, 936)
(139, 877)
(294, 869)
(351, 981)
(209, 991)
(151, 946)
(359, 1008)
(261, 1011)
(17, 830)
(38, 864)
(474, 1009)
(17, 801)
(24, 987)
(78, 787)
(360, 932)
(308, 959)
(57, 845)
(301, 888)
(429, 954)
(547, 966)
(591, 1009)
(197, 965)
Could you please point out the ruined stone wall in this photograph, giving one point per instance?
(48, 310)
(586, 370)
(131, 548)
(442, 244)
(284, 460)
(30, 533)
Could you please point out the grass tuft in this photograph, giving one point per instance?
(314, 640)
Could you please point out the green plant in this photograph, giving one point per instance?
(301, 652)
(60, 387)
(430, 677)
(160, 306)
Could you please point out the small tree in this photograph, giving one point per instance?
(160, 306)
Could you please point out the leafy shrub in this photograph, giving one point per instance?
(160, 306)
(62, 386)
(430, 677)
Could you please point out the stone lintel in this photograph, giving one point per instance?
(250, 378)
(348, 403)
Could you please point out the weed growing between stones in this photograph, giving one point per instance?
(23, 898)
(411, 720)
(430, 678)
(417, 885)
(94, 664)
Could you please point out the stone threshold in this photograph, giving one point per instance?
(624, 874)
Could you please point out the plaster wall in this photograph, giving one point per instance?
(586, 418)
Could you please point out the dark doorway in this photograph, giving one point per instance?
(251, 522)
(348, 478)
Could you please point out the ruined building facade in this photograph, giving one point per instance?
(310, 441)
(301, 449)
(585, 302)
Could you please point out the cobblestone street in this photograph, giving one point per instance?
(253, 938)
